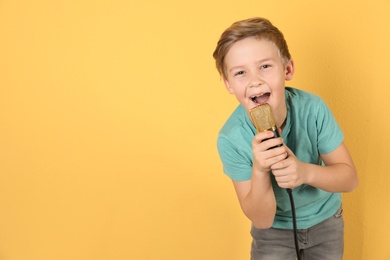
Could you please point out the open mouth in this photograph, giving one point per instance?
(260, 99)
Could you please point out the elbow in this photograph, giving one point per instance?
(263, 216)
(355, 181)
(353, 184)
(262, 224)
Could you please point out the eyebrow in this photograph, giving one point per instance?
(260, 61)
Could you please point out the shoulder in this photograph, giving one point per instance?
(237, 133)
(235, 138)
(234, 145)
(295, 95)
(236, 124)
(305, 103)
(309, 111)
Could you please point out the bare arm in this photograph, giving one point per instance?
(257, 200)
(256, 196)
(339, 174)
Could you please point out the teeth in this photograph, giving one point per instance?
(253, 98)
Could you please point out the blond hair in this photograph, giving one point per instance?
(257, 27)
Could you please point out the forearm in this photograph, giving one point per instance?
(339, 174)
(259, 204)
(340, 177)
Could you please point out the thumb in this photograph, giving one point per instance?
(289, 152)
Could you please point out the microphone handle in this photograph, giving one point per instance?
(276, 134)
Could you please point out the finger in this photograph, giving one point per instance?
(280, 162)
(283, 183)
(273, 143)
(289, 152)
(262, 136)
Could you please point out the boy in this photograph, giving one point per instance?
(254, 62)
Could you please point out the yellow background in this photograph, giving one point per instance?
(109, 112)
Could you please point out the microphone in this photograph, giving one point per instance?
(264, 120)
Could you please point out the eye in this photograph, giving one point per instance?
(239, 73)
(266, 66)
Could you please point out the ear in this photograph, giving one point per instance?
(289, 70)
(228, 87)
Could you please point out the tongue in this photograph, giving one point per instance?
(262, 99)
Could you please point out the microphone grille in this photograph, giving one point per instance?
(262, 118)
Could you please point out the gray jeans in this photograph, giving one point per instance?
(324, 241)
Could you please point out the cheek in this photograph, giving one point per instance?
(279, 84)
(228, 86)
(230, 90)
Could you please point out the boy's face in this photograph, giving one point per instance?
(256, 75)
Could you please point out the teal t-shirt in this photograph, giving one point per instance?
(310, 130)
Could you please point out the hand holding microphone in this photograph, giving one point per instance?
(267, 139)
(282, 162)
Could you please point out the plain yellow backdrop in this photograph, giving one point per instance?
(109, 112)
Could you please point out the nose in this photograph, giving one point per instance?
(256, 81)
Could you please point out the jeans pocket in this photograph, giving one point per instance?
(339, 213)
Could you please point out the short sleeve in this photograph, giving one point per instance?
(237, 165)
(329, 133)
